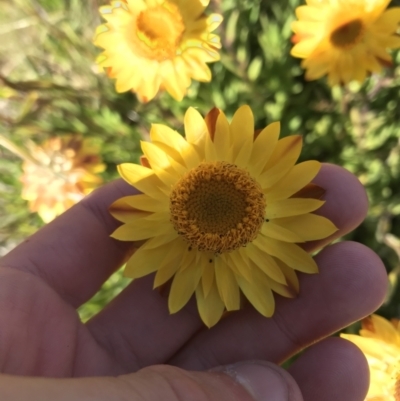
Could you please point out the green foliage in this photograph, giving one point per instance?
(51, 86)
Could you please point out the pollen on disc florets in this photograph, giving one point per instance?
(217, 207)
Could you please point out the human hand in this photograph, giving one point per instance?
(59, 268)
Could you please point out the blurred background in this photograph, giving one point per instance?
(60, 114)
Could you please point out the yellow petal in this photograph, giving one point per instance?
(291, 254)
(263, 147)
(144, 228)
(308, 227)
(168, 136)
(171, 262)
(244, 154)
(207, 278)
(166, 169)
(155, 155)
(369, 346)
(183, 287)
(142, 178)
(384, 330)
(176, 146)
(297, 178)
(304, 48)
(144, 262)
(195, 127)
(265, 263)
(281, 233)
(241, 263)
(242, 128)
(388, 22)
(210, 307)
(143, 202)
(258, 293)
(227, 284)
(281, 289)
(210, 150)
(163, 239)
(291, 276)
(122, 211)
(222, 138)
(285, 155)
(291, 207)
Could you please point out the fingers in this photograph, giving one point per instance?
(346, 202)
(332, 370)
(139, 314)
(74, 254)
(351, 284)
(245, 382)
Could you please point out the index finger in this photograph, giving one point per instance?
(75, 254)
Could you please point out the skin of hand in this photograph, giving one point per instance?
(134, 350)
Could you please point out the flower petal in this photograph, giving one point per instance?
(265, 263)
(210, 307)
(144, 228)
(183, 286)
(141, 178)
(291, 254)
(263, 147)
(227, 285)
(195, 126)
(145, 261)
(298, 177)
(258, 292)
(291, 207)
(170, 263)
(308, 227)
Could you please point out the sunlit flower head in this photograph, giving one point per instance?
(59, 174)
(221, 213)
(379, 340)
(345, 39)
(152, 45)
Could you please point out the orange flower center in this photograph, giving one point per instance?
(159, 30)
(217, 207)
(347, 35)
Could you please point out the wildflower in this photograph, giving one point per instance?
(219, 213)
(59, 174)
(379, 340)
(345, 39)
(157, 44)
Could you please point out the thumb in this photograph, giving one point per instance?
(245, 381)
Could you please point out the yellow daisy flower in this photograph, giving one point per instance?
(379, 340)
(221, 212)
(59, 174)
(345, 39)
(157, 44)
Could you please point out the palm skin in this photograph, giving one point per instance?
(47, 277)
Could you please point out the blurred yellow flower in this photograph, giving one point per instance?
(221, 212)
(151, 45)
(379, 340)
(60, 173)
(345, 39)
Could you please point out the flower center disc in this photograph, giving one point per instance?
(160, 30)
(217, 207)
(348, 34)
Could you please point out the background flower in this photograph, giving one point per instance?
(60, 173)
(379, 340)
(345, 39)
(157, 44)
(220, 213)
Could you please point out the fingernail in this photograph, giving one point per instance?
(263, 380)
